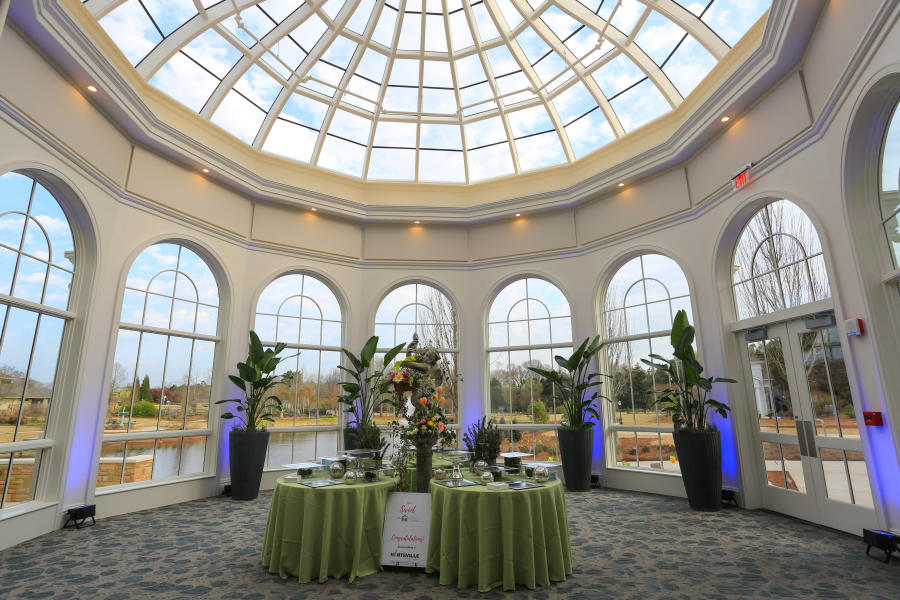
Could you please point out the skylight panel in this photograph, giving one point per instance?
(502, 61)
(435, 36)
(340, 52)
(490, 162)
(438, 101)
(689, 65)
(529, 121)
(589, 132)
(255, 21)
(371, 65)
(169, 15)
(350, 126)
(512, 83)
(628, 15)
(361, 16)
(131, 29)
(658, 37)
(291, 141)
(411, 32)
(401, 99)
(414, 5)
(392, 164)
(384, 31)
(434, 6)
(398, 135)
(441, 166)
(731, 19)
(484, 132)
(332, 7)
(476, 94)
(279, 9)
(695, 6)
(289, 54)
(405, 71)
(326, 73)
(362, 87)
(559, 22)
(443, 137)
(309, 31)
(326, 90)
(185, 81)
(582, 44)
(640, 105)
(258, 87)
(510, 14)
(538, 151)
(532, 45)
(469, 71)
(486, 28)
(213, 52)
(617, 75)
(239, 117)
(573, 102)
(342, 156)
(304, 110)
(549, 67)
(460, 33)
(437, 73)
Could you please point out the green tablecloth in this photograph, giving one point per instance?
(490, 538)
(317, 533)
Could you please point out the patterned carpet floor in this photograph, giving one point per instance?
(625, 545)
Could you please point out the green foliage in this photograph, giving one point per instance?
(144, 408)
(256, 378)
(688, 403)
(576, 384)
(539, 411)
(144, 393)
(483, 441)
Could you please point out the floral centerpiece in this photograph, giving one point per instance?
(421, 422)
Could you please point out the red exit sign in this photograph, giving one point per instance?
(742, 178)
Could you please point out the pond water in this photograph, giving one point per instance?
(287, 448)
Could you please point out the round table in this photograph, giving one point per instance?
(317, 533)
(487, 537)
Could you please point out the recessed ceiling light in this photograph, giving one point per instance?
(518, 214)
(621, 184)
(205, 170)
(725, 119)
(314, 209)
(92, 89)
(416, 222)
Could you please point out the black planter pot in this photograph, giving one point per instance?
(247, 455)
(575, 448)
(700, 458)
(351, 438)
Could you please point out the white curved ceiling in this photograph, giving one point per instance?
(427, 90)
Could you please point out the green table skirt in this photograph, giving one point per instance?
(493, 538)
(317, 533)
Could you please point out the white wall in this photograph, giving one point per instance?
(796, 135)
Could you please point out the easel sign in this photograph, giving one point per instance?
(407, 518)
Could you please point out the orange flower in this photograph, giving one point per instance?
(423, 400)
(441, 401)
(440, 389)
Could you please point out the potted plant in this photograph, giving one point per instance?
(483, 441)
(364, 395)
(697, 441)
(248, 440)
(576, 385)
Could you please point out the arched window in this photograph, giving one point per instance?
(889, 187)
(638, 308)
(528, 323)
(37, 265)
(303, 312)
(418, 308)
(157, 417)
(778, 262)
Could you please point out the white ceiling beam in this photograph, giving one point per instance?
(692, 24)
(455, 78)
(582, 14)
(185, 34)
(101, 8)
(4, 10)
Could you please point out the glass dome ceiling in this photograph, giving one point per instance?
(427, 90)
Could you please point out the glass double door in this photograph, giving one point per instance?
(812, 463)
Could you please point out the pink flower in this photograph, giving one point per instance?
(422, 422)
(441, 426)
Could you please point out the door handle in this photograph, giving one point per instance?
(810, 439)
(801, 437)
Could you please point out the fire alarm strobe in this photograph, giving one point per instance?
(854, 327)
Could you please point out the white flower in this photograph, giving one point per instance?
(404, 423)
